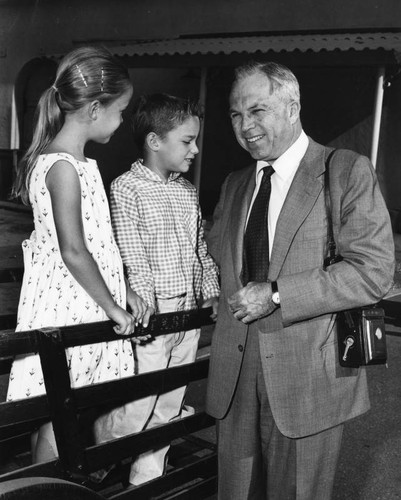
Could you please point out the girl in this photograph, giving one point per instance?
(73, 270)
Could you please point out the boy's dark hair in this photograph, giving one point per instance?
(160, 113)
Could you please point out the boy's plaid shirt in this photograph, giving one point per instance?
(158, 228)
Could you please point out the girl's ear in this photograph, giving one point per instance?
(93, 110)
(152, 141)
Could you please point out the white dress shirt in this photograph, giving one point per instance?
(285, 168)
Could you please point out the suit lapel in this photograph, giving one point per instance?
(240, 204)
(301, 197)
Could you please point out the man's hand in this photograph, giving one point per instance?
(213, 302)
(252, 302)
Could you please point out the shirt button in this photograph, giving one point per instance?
(240, 348)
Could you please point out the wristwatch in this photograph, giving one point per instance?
(275, 294)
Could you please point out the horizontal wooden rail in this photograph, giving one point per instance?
(13, 343)
(101, 455)
(203, 467)
(141, 385)
(14, 416)
(65, 406)
(53, 468)
(113, 451)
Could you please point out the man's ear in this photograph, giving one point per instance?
(93, 110)
(294, 109)
(152, 141)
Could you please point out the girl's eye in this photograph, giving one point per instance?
(187, 142)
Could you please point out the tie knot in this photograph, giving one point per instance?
(268, 171)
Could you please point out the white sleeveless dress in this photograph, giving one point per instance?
(50, 296)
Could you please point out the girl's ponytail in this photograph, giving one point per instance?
(48, 122)
(84, 75)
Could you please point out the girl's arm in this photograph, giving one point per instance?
(65, 192)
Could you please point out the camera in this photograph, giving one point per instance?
(361, 337)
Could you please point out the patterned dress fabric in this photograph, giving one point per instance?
(50, 296)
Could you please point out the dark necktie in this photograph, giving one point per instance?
(256, 241)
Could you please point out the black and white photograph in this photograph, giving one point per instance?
(200, 250)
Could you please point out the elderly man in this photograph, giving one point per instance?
(275, 384)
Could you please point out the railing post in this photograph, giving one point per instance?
(62, 406)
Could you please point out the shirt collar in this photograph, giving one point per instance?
(141, 169)
(286, 165)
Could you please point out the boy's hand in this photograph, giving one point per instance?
(149, 312)
(141, 312)
(137, 305)
(213, 302)
(144, 339)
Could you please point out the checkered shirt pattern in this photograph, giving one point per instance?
(158, 228)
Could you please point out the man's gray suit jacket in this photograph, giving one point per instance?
(307, 388)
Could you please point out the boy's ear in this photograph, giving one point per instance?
(152, 141)
(93, 110)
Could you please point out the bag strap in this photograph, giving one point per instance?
(332, 257)
(330, 234)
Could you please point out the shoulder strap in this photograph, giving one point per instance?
(332, 257)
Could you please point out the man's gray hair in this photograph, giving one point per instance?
(283, 81)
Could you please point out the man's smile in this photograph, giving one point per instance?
(254, 138)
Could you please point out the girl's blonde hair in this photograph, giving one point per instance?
(84, 75)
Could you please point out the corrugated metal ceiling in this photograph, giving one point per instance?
(253, 44)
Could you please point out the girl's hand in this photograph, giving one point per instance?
(125, 321)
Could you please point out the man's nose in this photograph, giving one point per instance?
(246, 123)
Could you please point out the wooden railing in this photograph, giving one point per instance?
(194, 477)
(192, 473)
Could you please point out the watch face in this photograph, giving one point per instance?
(276, 298)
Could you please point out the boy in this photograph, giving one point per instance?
(158, 228)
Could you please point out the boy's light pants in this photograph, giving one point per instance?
(164, 351)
